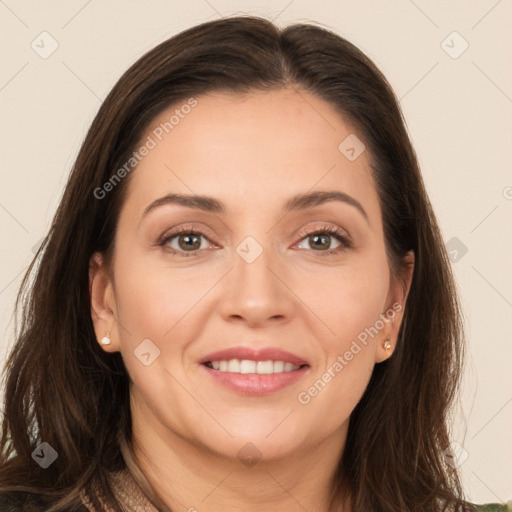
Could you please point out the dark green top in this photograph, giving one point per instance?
(495, 507)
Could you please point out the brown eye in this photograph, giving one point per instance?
(189, 242)
(184, 242)
(325, 241)
(320, 241)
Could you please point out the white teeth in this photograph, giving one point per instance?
(278, 366)
(264, 367)
(234, 366)
(248, 366)
(288, 367)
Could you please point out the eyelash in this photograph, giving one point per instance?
(333, 231)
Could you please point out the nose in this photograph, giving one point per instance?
(257, 292)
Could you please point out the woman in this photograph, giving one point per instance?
(244, 301)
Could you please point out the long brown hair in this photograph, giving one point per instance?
(61, 388)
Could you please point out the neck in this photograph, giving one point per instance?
(188, 476)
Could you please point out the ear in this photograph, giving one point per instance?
(392, 315)
(103, 307)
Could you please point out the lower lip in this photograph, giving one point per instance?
(256, 384)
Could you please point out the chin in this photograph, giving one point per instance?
(255, 445)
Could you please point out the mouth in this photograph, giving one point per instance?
(254, 372)
(248, 366)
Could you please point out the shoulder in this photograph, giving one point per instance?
(22, 499)
(494, 507)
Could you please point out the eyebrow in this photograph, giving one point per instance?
(298, 202)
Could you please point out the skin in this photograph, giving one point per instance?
(252, 153)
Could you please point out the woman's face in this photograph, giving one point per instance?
(281, 258)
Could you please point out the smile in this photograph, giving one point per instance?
(248, 366)
(254, 371)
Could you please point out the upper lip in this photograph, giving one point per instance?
(262, 354)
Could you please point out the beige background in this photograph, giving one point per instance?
(458, 111)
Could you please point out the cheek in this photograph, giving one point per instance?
(152, 303)
(161, 303)
(356, 300)
(348, 300)
(350, 305)
(152, 297)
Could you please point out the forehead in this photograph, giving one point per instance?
(254, 148)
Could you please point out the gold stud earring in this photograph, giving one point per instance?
(106, 339)
(387, 345)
